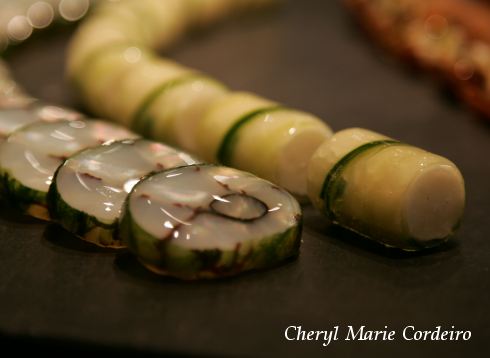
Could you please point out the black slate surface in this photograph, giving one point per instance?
(58, 292)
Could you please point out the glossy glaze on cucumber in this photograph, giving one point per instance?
(30, 156)
(210, 221)
(391, 192)
(90, 187)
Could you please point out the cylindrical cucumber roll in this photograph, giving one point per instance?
(393, 193)
(209, 221)
(277, 145)
(90, 187)
(222, 118)
(30, 156)
(139, 85)
(172, 112)
(94, 36)
(102, 74)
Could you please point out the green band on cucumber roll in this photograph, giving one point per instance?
(116, 79)
(334, 185)
(222, 116)
(172, 112)
(396, 194)
(262, 137)
(226, 149)
(90, 187)
(133, 88)
(30, 156)
(208, 221)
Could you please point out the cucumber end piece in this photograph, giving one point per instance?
(434, 204)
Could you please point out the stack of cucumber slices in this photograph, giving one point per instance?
(105, 185)
(30, 156)
(90, 187)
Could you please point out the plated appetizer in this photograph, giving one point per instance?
(170, 103)
(192, 220)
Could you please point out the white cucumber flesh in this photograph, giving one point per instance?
(277, 145)
(175, 110)
(136, 87)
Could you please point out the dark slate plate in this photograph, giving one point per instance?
(57, 292)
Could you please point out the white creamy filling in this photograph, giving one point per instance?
(434, 203)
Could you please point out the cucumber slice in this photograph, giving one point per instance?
(30, 156)
(208, 221)
(90, 187)
(12, 119)
(276, 144)
(173, 112)
(223, 117)
(104, 71)
(396, 194)
(137, 86)
(94, 36)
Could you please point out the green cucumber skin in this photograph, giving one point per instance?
(78, 222)
(197, 264)
(225, 151)
(18, 196)
(142, 123)
(407, 244)
(333, 189)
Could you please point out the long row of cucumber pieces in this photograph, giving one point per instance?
(184, 218)
(390, 192)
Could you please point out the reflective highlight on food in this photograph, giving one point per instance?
(30, 156)
(90, 187)
(396, 194)
(208, 221)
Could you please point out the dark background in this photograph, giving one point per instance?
(55, 291)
